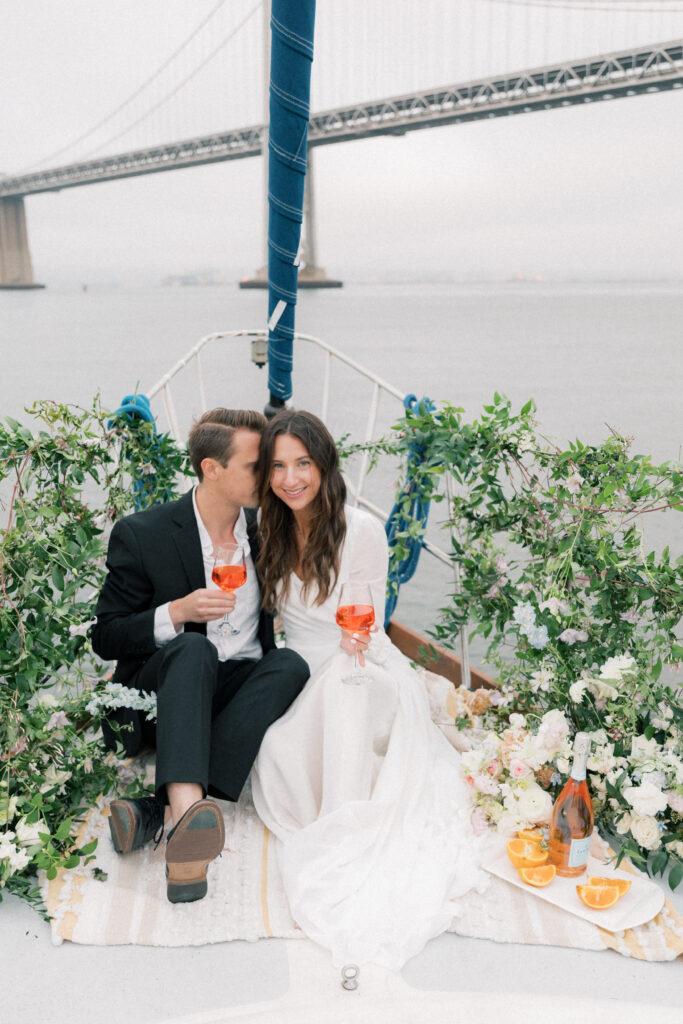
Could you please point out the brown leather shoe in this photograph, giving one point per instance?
(193, 843)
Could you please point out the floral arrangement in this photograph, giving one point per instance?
(581, 621)
(61, 487)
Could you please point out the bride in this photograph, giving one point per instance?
(362, 791)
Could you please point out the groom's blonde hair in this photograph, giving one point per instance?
(213, 434)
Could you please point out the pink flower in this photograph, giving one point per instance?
(519, 769)
(674, 800)
(495, 769)
(57, 720)
(572, 636)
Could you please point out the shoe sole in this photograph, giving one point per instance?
(121, 825)
(199, 839)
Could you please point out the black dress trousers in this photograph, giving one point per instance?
(211, 714)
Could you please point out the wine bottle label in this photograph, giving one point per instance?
(578, 852)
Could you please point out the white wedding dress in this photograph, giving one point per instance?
(362, 791)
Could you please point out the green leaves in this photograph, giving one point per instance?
(63, 486)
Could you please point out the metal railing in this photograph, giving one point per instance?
(162, 389)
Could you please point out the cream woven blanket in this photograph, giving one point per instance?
(246, 901)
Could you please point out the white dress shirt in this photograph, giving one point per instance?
(245, 617)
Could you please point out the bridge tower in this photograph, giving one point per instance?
(15, 258)
(310, 274)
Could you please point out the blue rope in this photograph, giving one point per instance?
(417, 509)
(138, 407)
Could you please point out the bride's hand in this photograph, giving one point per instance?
(356, 642)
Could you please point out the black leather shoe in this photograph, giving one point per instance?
(197, 839)
(133, 823)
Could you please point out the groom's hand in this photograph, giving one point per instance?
(201, 606)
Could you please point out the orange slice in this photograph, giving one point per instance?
(526, 855)
(531, 835)
(622, 884)
(538, 877)
(598, 897)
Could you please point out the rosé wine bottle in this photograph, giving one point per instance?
(571, 824)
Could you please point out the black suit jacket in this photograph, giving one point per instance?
(154, 556)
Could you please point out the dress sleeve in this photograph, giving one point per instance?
(370, 562)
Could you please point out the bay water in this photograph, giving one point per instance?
(595, 356)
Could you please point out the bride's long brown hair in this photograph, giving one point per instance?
(279, 555)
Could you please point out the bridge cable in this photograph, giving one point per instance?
(181, 85)
(133, 95)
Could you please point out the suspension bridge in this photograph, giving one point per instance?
(630, 71)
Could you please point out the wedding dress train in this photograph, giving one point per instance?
(362, 791)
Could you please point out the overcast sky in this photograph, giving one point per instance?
(590, 191)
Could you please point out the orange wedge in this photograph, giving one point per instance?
(526, 855)
(598, 897)
(622, 884)
(538, 877)
(531, 835)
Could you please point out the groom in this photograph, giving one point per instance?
(158, 616)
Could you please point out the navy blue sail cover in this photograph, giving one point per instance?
(292, 25)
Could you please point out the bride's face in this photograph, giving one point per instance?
(294, 477)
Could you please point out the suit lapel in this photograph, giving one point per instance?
(186, 538)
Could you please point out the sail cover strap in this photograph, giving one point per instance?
(292, 24)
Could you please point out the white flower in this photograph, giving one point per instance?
(28, 835)
(643, 750)
(54, 778)
(553, 730)
(541, 680)
(645, 831)
(573, 636)
(601, 690)
(646, 799)
(617, 668)
(535, 805)
(82, 629)
(624, 824)
(517, 721)
(524, 616)
(42, 699)
(573, 483)
(577, 690)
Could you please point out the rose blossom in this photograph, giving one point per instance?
(646, 799)
(535, 805)
(519, 769)
(645, 831)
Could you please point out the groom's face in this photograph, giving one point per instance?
(236, 481)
